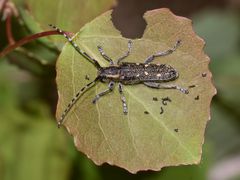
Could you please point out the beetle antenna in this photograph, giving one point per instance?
(75, 46)
(75, 99)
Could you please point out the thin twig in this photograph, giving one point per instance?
(27, 39)
(2, 4)
(10, 37)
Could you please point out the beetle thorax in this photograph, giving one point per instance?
(109, 73)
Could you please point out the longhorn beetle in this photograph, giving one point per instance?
(151, 75)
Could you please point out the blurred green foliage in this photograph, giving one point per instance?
(29, 137)
(220, 29)
(31, 147)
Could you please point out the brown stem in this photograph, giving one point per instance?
(25, 40)
(2, 4)
(10, 37)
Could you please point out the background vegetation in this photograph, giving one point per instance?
(31, 147)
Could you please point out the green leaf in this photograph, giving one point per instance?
(72, 15)
(34, 28)
(67, 14)
(138, 141)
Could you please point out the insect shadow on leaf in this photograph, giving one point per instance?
(147, 73)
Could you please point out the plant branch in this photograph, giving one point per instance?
(10, 37)
(25, 40)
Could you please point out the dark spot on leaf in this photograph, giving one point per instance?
(146, 112)
(87, 77)
(161, 112)
(197, 97)
(176, 130)
(165, 100)
(204, 74)
(155, 99)
(192, 86)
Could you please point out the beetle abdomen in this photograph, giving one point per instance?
(131, 73)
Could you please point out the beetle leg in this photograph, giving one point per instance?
(127, 53)
(166, 86)
(110, 88)
(100, 49)
(163, 53)
(123, 98)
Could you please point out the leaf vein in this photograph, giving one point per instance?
(130, 129)
(164, 125)
(101, 128)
